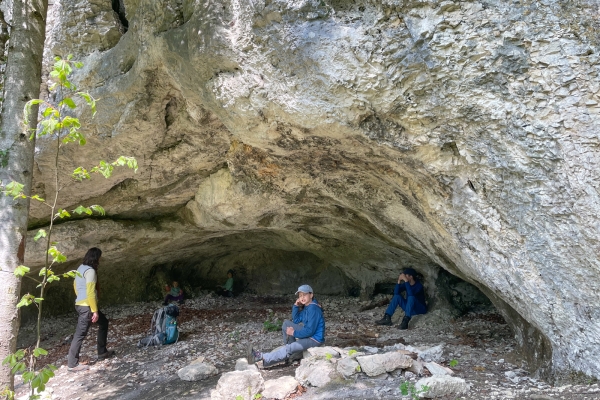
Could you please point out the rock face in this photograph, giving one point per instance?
(335, 143)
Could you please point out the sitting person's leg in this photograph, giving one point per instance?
(411, 308)
(281, 354)
(287, 339)
(168, 299)
(397, 301)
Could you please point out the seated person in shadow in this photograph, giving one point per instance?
(174, 293)
(227, 289)
(413, 304)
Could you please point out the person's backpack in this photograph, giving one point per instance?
(163, 328)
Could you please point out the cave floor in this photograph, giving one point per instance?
(479, 347)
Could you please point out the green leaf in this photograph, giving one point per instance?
(40, 234)
(28, 376)
(14, 189)
(78, 64)
(26, 300)
(98, 209)
(38, 198)
(81, 209)
(21, 270)
(70, 274)
(27, 110)
(57, 256)
(39, 352)
(89, 100)
(62, 214)
(80, 174)
(103, 168)
(131, 162)
(68, 102)
(53, 278)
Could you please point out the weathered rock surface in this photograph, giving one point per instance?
(340, 142)
(279, 388)
(438, 386)
(197, 371)
(238, 383)
(378, 364)
(315, 372)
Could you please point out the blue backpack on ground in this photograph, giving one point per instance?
(163, 328)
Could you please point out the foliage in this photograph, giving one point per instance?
(55, 122)
(409, 389)
(272, 324)
(453, 363)
(352, 352)
(328, 356)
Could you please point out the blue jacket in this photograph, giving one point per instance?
(312, 318)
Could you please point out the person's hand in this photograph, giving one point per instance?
(94, 317)
(289, 331)
(401, 278)
(298, 302)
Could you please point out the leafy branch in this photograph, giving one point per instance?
(56, 122)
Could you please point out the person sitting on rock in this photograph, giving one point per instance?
(305, 330)
(414, 303)
(227, 289)
(175, 293)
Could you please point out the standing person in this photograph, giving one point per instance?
(305, 330)
(175, 293)
(86, 305)
(414, 303)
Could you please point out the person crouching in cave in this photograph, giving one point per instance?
(227, 289)
(414, 304)
(305, 330)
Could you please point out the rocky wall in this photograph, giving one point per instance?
(371, 135)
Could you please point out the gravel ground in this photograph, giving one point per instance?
(479, 346)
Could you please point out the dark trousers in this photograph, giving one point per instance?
(410, 305)
(171, 298)
(83, 325)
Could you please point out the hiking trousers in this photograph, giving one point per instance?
(84, 321)
(291, 345)
(410, 305)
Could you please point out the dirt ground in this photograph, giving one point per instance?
(478, 347)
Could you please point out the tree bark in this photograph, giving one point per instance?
(22, 77)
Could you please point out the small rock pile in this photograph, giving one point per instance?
(322, 365)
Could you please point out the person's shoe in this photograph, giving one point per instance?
(108, 354)
(386, 320)
(253, 356)
(78, 368)
(404, 324)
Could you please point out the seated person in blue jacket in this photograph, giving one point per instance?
(305, 330)
(413, 304)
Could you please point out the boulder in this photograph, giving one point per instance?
(315, 372)
(437, 369)
(347, 367)
(197, 371)
(322, 352)
(438, 386)
(279, 388)
(241, 364)
(377, 364)
(236, 383)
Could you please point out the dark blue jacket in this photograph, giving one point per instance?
(312, 318)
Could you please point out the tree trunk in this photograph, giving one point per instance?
(22, 76)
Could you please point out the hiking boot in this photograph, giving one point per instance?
(78, 368)
(386, 320)
(108, 354)
(253, 356)
(404, 324)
